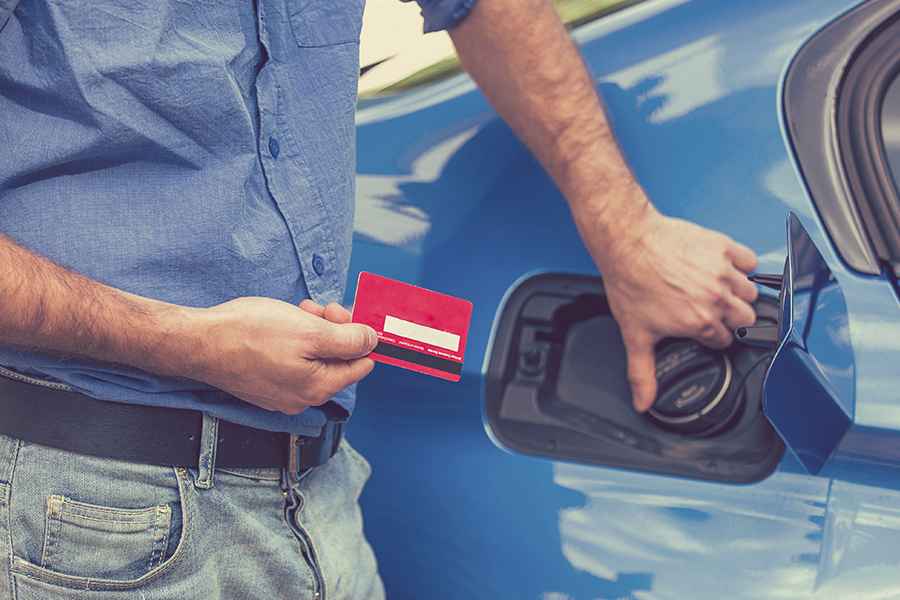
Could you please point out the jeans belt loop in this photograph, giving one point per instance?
(209, 438)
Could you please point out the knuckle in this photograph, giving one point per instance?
(315, 340)
(311, 372)
(717, 294)
(703, 321)
(708, 331)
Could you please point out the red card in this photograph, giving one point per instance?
(418, 329)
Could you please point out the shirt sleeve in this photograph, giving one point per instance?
(443, 14)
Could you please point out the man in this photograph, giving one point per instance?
(176, 190)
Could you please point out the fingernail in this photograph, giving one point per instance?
(372, 336)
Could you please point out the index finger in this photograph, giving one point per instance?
(313, 308)
(336, 313)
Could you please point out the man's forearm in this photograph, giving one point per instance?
(663, 277)
(46, 307)
(522, 57)
(264, 351)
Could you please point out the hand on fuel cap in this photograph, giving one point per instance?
(667, 277)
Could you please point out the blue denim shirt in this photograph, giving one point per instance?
(189, 152)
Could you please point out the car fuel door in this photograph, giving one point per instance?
(556, 386)
(809, 389)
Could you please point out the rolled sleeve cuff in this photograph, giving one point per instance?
(444, 14)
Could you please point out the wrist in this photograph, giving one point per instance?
(180, 348)
(612, 222)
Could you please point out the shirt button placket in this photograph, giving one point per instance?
(274, 147)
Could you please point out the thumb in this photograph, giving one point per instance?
(346, 341)
(641, 372)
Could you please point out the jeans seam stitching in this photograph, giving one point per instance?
(75, 506)
(21, 377)
(13, 588)
(51, 531)
(71, 516)
(160, 538)
(245, 476)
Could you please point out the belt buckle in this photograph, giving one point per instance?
(295, 447)
(305, 453)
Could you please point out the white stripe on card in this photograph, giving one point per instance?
(421, 333)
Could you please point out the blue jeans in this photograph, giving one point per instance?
(82, 528)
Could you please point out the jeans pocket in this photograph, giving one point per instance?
(91, 524)
(88, 540)
(325, 22)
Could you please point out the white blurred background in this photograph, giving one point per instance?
(396, 55)
(393, 30)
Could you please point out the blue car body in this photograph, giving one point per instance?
(449, 199)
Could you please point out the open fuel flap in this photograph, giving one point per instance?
(556, 387)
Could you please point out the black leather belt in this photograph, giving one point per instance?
(148, 434)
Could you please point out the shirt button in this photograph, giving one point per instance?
(274, 148)
(318, 264)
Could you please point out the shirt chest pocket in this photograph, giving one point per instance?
(325, 22)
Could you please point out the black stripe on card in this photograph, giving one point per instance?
(419, 358)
